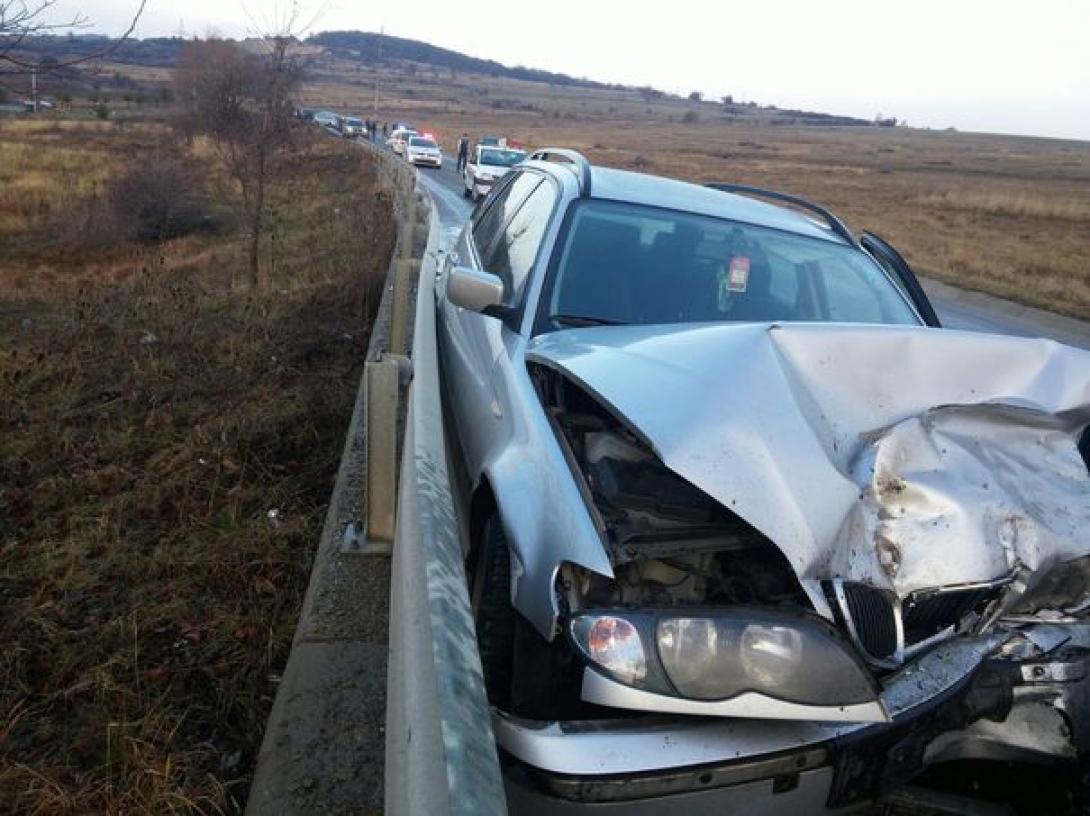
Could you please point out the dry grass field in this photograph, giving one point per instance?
(169, 445)
(1002, 214)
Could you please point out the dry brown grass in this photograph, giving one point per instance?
(1007, 215)
(31, 170)
(1014, 204)
(152, 420)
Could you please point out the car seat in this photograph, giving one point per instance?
(670, 275)
(600, 271)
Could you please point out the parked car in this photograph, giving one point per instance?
(327, 119)
(745, 522)
(352, 127)
(486, 165)
(397, 140)
(423, 152)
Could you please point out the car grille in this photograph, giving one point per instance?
(926, 614)
(872, 614)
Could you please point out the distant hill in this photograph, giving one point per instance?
(356, 45)
(371, 47)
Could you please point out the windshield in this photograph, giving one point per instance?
(626, 263)
(415, 142)
(354, 122)
(500, 157)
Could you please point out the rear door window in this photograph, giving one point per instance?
(513, 254)
(499, 211)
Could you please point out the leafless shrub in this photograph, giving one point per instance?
(159, 200)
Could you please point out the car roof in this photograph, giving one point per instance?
(656, 191)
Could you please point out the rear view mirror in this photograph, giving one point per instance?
(473, 290)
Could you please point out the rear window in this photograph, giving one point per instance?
(625, 263)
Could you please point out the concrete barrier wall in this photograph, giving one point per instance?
(324, 745)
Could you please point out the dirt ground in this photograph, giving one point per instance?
(169, 442)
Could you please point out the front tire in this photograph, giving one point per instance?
(524, 674)
(493, 616)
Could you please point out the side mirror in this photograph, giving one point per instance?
(473, 290)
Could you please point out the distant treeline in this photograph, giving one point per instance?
(370, 47)
(156, 51)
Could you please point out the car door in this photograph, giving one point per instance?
(901, 273)
(472, 341)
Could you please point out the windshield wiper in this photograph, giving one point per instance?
(584, 320)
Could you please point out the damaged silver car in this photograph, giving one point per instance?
(745, 527)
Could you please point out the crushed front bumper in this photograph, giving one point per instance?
(1021, 696)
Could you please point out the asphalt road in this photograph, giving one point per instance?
(957, 309)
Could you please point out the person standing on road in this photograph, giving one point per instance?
(463, 152)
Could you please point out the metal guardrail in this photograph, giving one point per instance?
(440, 751)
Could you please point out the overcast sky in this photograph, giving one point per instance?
(989, 65)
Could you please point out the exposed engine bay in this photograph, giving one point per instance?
(675, 548)
(670, 543)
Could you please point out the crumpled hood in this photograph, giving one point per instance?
(843, 445)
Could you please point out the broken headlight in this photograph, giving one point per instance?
(716, 655)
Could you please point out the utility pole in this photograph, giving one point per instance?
(381, 34)
(34, 87)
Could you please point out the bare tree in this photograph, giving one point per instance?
(21, 21)
(243, 101)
